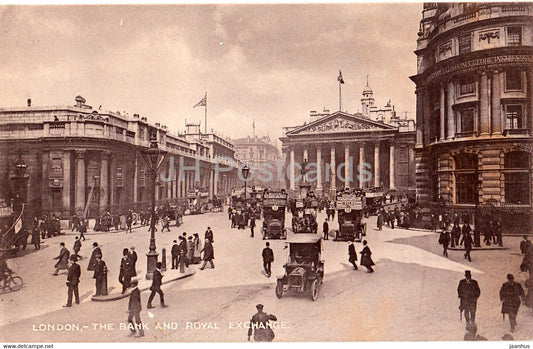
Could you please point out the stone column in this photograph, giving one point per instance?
(496, 108)
(333, 170)
(361, 161)
(392, 163)
(292, 174)
(319, 168)
(136, 175)
(484, 121)
(104, 180)
(66, 184)
(442, 112)
(450, 134)
(305, 154)
(347, 168)
(80, 180)
(215, 183)
(528, 121)
(377, 178)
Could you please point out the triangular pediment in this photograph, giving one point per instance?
(340, 122)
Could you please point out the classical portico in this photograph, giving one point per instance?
(344, 150)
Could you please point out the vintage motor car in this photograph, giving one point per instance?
(304, 212)
(304, 270)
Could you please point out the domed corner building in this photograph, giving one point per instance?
(474, 88)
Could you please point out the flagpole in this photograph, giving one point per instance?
(205, 118)
(340, 96)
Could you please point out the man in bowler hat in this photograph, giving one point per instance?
(468, 292)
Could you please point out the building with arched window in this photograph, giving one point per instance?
(474, 88)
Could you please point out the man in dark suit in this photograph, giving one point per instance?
(511, 294)
(133, 260)
(352, 255)
(92, 261)
(77, 247)
(175, 252)
(268, 258)
(124, 276)
(134, 309)
(252, 226)
(73, 279)
(468, 291)
(157, 280)
(325, 229)
(260, 326)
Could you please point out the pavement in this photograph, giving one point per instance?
(411, 297)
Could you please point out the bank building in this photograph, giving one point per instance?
(474, 89)
(376, 136)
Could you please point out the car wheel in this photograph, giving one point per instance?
(314, 290)
(279, 289)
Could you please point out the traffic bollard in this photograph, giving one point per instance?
(164, 260)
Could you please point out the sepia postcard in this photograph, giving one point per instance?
(275, 172)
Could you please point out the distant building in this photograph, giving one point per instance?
(80, 158)
(376, 137)
(259, 151)
(474, 88)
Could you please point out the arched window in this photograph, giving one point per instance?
(465, 178)
(516, 170)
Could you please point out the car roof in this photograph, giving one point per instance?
(304, 238)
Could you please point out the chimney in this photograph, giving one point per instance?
(157, 124)
(29, 102)
(144, 119)
(164, 127)
(135, 116)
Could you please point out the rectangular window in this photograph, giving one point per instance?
(120, 178)
(513, 80)
(513, 118)
(467, 120)
(514, 36)
(465, 44)
(467, 87)
(466, 188)
(517, 188)
(142, 178)
(57, 168)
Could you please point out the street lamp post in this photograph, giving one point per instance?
(245, 173)
(20, 189)
(153, 157)
(478, 183)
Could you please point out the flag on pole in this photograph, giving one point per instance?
(340, 79)
(202, 102)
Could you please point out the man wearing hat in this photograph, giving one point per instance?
(175, 252)
(92, 260)
(134, 309)
(133, 259)
(260, 325)
(73, 279)
(468, 292)
(268, 258)
(64, 254)
(511, 294)
(157, 281)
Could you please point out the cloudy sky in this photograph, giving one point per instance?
(271, 63)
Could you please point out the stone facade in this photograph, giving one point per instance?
(474, 88)
(337, 144)
(80, 158)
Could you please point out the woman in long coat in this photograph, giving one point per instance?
(197, 243)
(366, 259)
